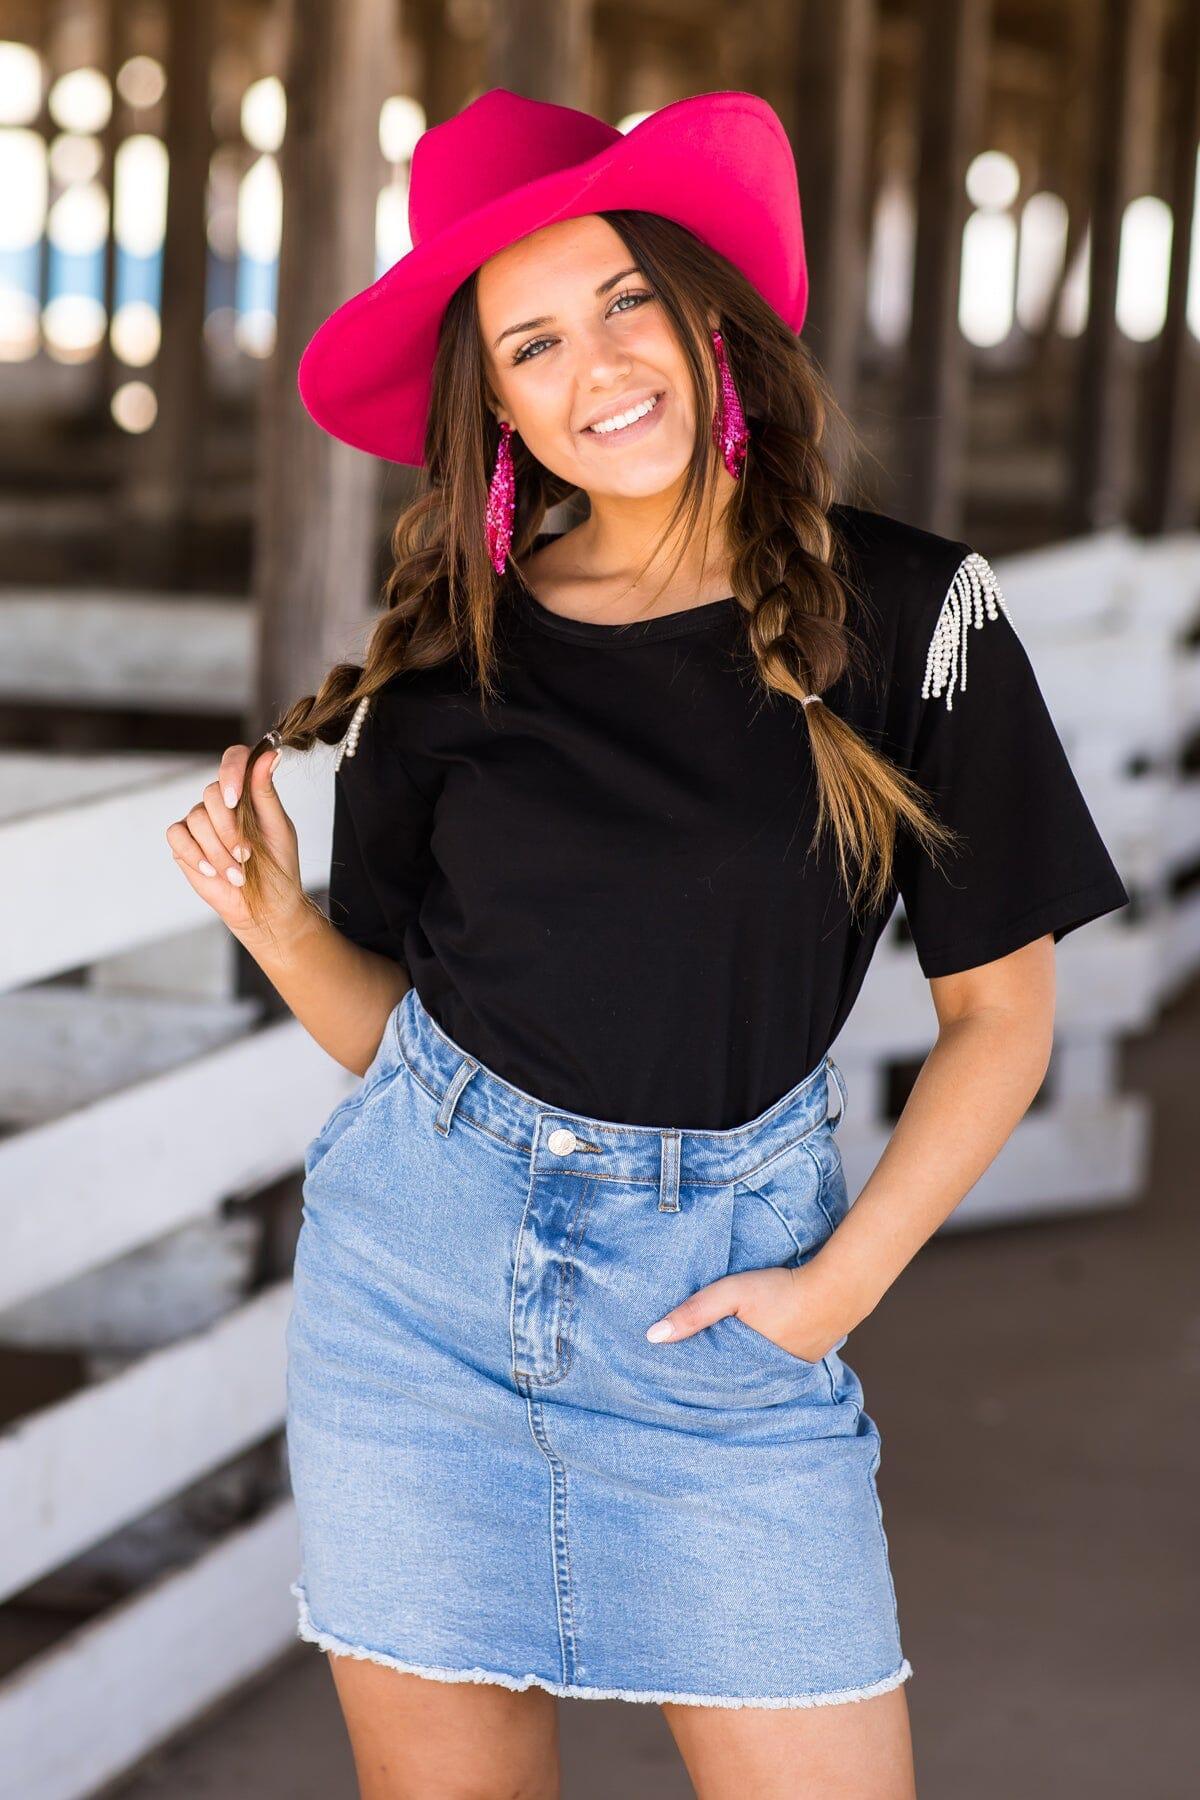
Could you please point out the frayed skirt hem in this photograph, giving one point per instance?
(311, 1633)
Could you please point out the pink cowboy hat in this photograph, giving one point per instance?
(718, 163)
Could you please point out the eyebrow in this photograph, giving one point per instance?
(547, 319)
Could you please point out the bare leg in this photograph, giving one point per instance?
(857, 1750)
(414, 1738)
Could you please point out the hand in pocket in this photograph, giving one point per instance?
(789, 1306)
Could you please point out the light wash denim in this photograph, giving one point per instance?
(498, 1477)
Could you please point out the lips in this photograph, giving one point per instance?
(649, 402)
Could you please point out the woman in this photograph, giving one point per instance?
(620, 815)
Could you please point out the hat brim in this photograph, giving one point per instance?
(720, 164)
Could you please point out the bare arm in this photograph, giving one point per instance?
(995, 1029)
(341, 993)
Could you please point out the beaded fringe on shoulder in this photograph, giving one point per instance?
(349, 743)
(974, 596)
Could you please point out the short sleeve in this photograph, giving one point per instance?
(1030, 859)
(379, 859)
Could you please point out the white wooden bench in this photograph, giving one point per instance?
(1107, 621)
(115, 1162)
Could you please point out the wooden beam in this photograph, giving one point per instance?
(951, 92)
(1081, 1156)
(109, 1177)
(834, 64)
(46, 930)
(67, 1722)
(445, 61)
(1168, 501)
(316, 545)
(542, 49)
(1122, 122)
(108, 372)
(76, 1471)
(138, 652)
(1106, 987)
(166, 466)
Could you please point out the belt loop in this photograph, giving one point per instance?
(668, 1182)
(840, 1083)
(445, 1111)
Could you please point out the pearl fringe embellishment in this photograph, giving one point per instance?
(349, 743)
(974, 596)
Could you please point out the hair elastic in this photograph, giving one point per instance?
(807, 699)
(275, 739)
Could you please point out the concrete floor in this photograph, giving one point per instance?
(1036, 1387)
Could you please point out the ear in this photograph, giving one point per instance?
(498, 412)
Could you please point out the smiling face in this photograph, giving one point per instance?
(575, 340)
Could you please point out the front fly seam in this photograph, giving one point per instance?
(564, 1348)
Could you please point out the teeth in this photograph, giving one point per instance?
(619, 420)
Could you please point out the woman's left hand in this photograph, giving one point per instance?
(789, 1306)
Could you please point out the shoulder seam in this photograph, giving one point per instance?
(972, 598)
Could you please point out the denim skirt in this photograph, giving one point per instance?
(498, 1478)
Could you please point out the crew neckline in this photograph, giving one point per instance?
(684, 622)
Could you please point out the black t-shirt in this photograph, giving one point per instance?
(603, 889)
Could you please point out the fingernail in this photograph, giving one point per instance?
(662, 1330)
(231, 796)
(236, 876)
(241, 851)
(206, 868)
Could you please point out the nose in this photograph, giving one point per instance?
(601, 361)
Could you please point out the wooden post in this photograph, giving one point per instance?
(1064, 172)
(116, 49)
(447, 63)
(1168, 500)
(951, 93)
(317, 522)
(833, 59)
(1099, 493)
(40, 37)
(542, 49)
(167, 466)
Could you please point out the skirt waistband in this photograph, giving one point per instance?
(665, 1156)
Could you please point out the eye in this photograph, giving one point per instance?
(527, 351)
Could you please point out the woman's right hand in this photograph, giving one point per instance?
(206, 844)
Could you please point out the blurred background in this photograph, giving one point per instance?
(999, 205)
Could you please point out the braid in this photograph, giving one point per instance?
(784, 551)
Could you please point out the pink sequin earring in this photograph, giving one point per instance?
(501, 502)
(730, 432)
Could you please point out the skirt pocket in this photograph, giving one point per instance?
(386, 1064)
(782, 1215)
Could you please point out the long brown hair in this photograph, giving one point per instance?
(786, 568)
